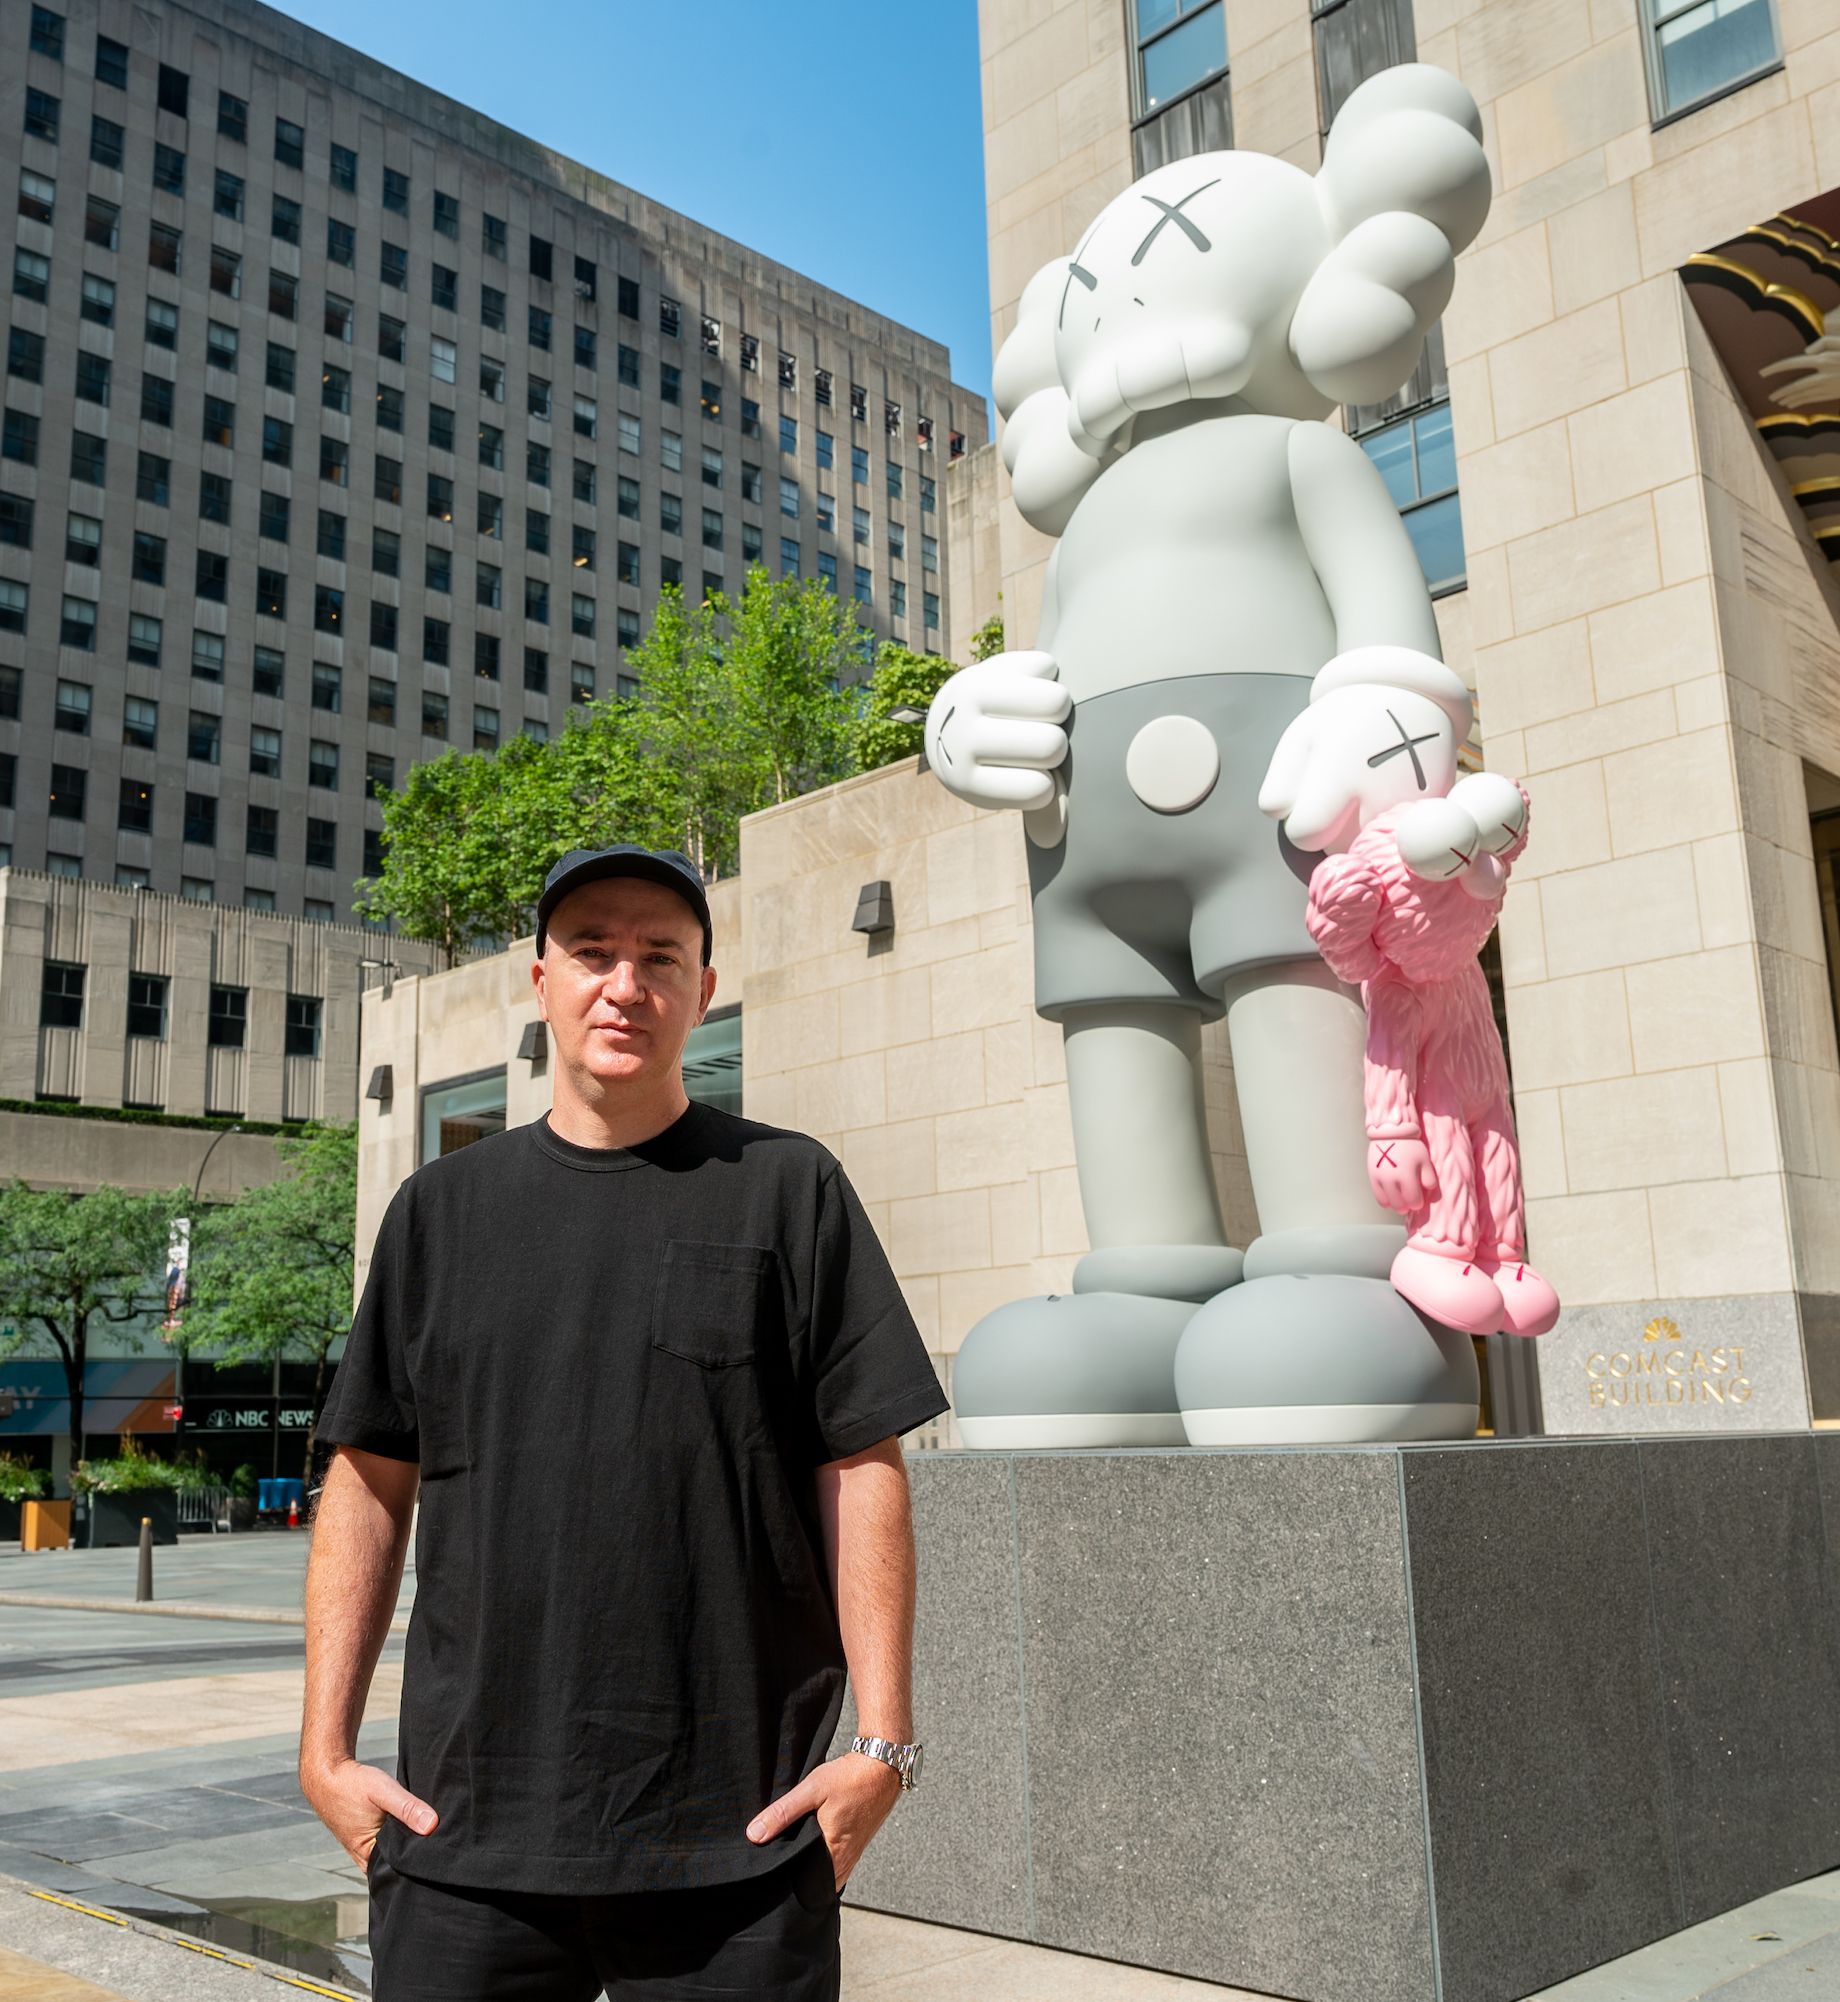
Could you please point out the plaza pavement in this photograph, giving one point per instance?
(154, 1846)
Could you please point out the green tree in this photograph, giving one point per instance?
(745, 702)
(988, 638)
(271, 1272)
(902, 679)
(67, 1262)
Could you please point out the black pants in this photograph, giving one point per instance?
(772, 1938)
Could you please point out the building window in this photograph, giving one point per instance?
(19, 440)
(492, 308)
(712, 529)
(73, 703)
(381, 706)
(262, 826)
(37, 197)
(200, 824)
(69, 789)
(1700, 49)
(140, 719)
(31, 275)
(168, 170)
(789, 497)
(332, 535)
(671, 513)
(492, 236)
(93, 379)
(929, 495)
(98, 304)
(864, 586)
(149, 560)
(111, 63)
(77, 627)
(440, 497)
(395, 191)
(539, 324)
(60, 996)
(434, 714)
(83, 540)
(581, 681)
(42, 115)
(669, 317)
(12, 606)
(750, 418)
(342, 170)
(328, 609)
(303, 1018)
(712, 466)
(581, 616)
(232, 117)
(584, 484)
(542, 258)
(146, 991)
(208, 656)
(275, 517)
(391, 338)
(105, 143)
(144, 647)
(930, 610)
(384, 620)
(1417, 459)
(671, 451)
(203, 738)
(277, 441)
(337, 319)
(1180, 81)
(788, 556)
(628, 294)
(271, 594)
(584, 347)
(323, 765)
(16, 520)
(627, 626)
(827, 570)
(789, 434)
(220, 345)
(629, 432)
(444, 288)
(265, 757)
(447, 215)
(322, 852)
(750, 542)
(440, 427)
(386, 480)
(629, 498)
(628, 571)
(228, 1018)
(290, 143)
(268, 670)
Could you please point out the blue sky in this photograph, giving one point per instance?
(842, 137)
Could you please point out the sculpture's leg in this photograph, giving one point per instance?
(1097, 1367)
(1298, 1039)
(1438, 1270)
(1315, 1344)
(1141, 1144)
(1529, 1305)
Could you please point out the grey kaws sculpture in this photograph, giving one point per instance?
(1222, 555)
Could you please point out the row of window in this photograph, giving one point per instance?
(44, 119)
(61, 997)
(201, 890)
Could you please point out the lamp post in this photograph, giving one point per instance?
(197, 1184)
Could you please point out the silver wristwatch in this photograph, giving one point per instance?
(905, 1759)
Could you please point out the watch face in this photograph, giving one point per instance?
(913, 1768)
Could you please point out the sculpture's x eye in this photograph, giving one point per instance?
(1172, 213)
(1075, 269)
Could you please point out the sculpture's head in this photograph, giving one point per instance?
(1236, 275)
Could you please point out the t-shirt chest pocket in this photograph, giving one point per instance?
(710, 1300)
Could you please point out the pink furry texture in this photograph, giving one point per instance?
(1435, 1069)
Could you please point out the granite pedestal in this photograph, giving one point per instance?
(1370, 1724)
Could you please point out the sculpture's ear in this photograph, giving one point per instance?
(1025, 362)
(1404, 185)
(1048, 472)
(1409, 141)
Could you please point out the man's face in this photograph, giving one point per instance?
(621, 982)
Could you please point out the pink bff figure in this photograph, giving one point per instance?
(1404, 912)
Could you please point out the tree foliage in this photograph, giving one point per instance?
(67, 1262)
(902, 679)
(271, 1272)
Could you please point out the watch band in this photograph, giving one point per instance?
(905, 1759)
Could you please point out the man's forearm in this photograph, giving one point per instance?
(869, 1544)
(360, 1539)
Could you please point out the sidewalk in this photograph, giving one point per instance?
(160, 1783)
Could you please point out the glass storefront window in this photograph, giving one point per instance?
(463, 1110)
(712, 1061)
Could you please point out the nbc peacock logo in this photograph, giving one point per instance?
(1661, 1328)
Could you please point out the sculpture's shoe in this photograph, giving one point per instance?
(1073, 1369)
(1529, 1306)
(1322, 1359)
(1456, 1291)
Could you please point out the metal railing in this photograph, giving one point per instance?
(204, 1508)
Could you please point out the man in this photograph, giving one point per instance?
(649, 1366)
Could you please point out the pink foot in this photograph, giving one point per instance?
(1453, 1290)
(1529, 1306)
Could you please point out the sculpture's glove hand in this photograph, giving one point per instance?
(1497, 806)
(1401, 1175)
(993, 732)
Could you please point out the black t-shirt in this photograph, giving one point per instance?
(618, 1369)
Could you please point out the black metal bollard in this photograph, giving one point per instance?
(143, 1584)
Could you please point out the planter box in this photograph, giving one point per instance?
(44, 1525)
(115, 1519)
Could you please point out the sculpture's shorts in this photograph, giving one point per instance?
(1164, 901)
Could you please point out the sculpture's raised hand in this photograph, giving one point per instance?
(993, 732)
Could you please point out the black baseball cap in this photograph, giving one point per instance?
(670, 867)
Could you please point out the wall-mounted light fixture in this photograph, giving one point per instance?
(381, 1085)
(874, 909)
(533, 1046)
